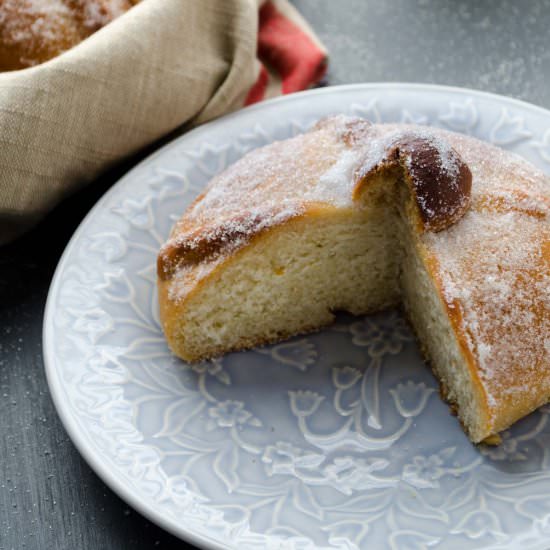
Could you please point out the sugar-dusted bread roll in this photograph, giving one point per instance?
(360, 217)
(33, 31)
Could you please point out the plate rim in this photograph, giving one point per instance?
(102, 470)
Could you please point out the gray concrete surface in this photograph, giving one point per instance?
(491, 45)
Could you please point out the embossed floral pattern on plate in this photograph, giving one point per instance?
(334, 440)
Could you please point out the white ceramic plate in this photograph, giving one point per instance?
(335, 440)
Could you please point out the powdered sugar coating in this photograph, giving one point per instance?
(334, 185)
(315, 165)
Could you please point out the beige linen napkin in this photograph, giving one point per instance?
(162, 64)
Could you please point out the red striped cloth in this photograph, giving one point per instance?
(290, 57)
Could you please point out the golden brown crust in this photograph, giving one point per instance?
(209, 242)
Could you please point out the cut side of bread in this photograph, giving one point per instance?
(289, 280)
(440, 342)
